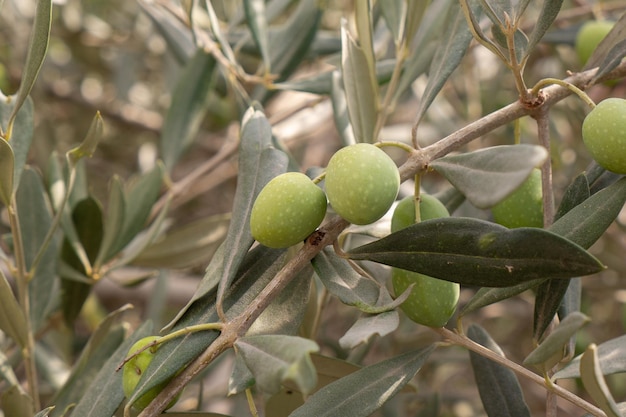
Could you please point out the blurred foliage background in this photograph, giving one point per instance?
(108, 56)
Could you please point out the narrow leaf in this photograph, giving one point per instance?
(177, 36)
(366, 390)
(341, 280)
(585, 223)
(549, 11)
(360, 87)
(611, 356)
(15, 402)
(395, 14)
(273, 359)
(340, 111)
(551, 350)
(188, 246)
(88, 146)
(486, 296)
(498, 11)
(140, 198)
(594, 382)
(188, 108)
(255, 15)
(448, 56)
(498, 386)
(22, 134)
(35, 221)
(366, 327)
(114, 220)
(12, 319)
(489, 175)
(6, 172)
(476, 252)
(613, 58)
(259, 162)
(36, 53)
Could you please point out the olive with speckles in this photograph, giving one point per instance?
(287, 210)
(604, 134)
(134, 369)
(432, 301)
(362, 182)
(524, 207)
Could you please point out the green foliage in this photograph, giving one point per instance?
(146, 146)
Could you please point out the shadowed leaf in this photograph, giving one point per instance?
(498, 386)
(476, 252)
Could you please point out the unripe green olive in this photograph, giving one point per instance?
(134, 369)
(362, 182)
(432, 301)
(604, 134)
(589, 36)
(287, 210)
(524, 207)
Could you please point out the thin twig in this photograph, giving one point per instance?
(464, 341)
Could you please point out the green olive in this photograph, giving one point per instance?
(362, 182)
(604, 134)
(432, 301)
(589, 36)
(524, 207)
(134, 369)
(287, 210)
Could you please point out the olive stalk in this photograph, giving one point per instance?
(417, 161)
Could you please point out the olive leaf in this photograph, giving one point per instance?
(189, 105)
(594, 382)
(366, 390)
(366, 327)
(477, 252)
(273, 359)
(611, 356)
(498, 386)
(551, 350)
(489, 175)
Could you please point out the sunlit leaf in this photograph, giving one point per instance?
(259, 162)
(551, 350)
(366, 327)
(476, 252)
(360, 87)
(489, 175)
(6, 172)
(594, 382)
(273, 359)
(498, 386)
(12, 319)
(366, 390)
(611, 356)
(353, 289)
(88, 146)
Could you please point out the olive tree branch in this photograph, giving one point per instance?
(469, 344)
(417, 161)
